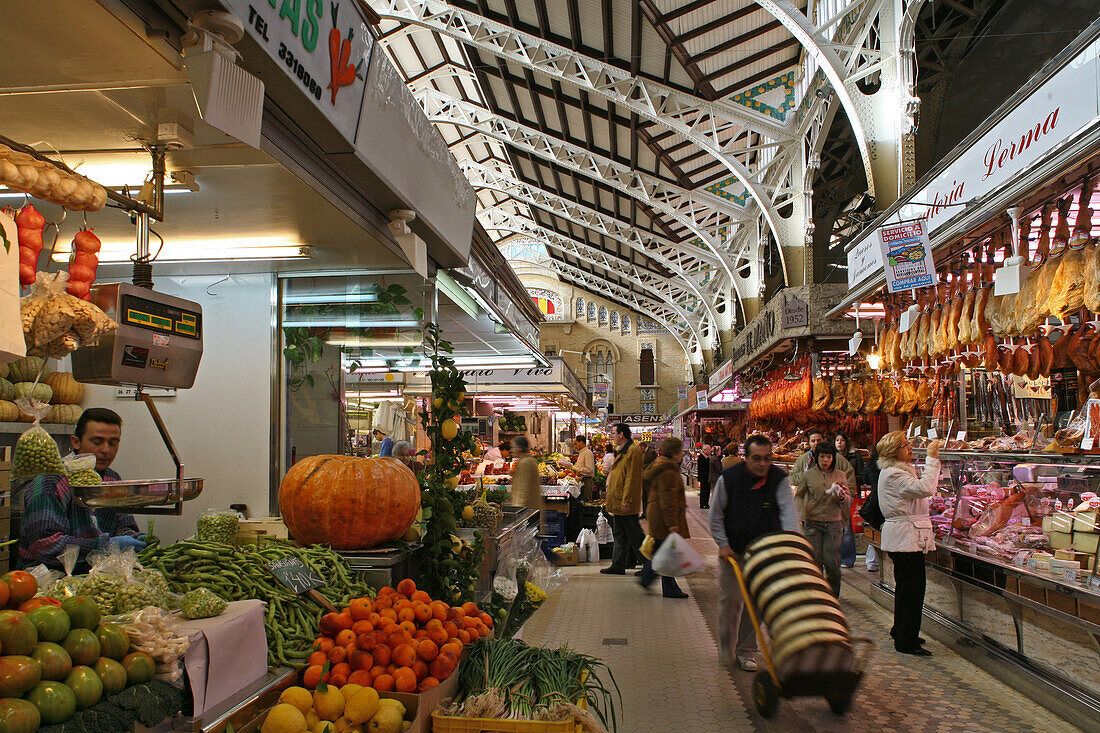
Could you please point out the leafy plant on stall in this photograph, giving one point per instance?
(451, 568)
(305, 345)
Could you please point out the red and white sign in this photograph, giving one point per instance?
(1057, 111)
(721, 375)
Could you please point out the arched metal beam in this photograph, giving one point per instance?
(706, 124)
(501, 220)
(484, 177)
(810, 38)
(669, 199)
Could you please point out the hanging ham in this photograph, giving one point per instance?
(1067, 290)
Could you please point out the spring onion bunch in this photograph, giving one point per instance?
(506, 678)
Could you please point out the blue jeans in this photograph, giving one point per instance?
(848, 546)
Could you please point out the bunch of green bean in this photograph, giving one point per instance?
(238, 573)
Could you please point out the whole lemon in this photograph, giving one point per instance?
(449, 429)
(467, 512)
(329, 703)
(284, 718)
(299, 697)
(362, 706)
(348, 691)
(388, 719)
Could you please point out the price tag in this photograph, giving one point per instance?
(1032, 563)
(1087, 443)
(961, 437)
(1021, 558)
(293, 573)
(933, 433)
(1094, 582)
(1070, 574)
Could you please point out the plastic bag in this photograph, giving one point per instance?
(81, 470)
(603, 530)
(218, 525)
(588, 550)
(119, 584)
(677, 558)
(202, 603)
(35, 453)
(55, 323)
(44, 575)
(647, 547)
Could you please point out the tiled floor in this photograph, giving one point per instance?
(664, 658)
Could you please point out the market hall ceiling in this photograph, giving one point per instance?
(616, 195)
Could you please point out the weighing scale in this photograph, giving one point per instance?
(158, 343)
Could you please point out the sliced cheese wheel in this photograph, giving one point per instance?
(797, 598)
(773, 554)
(799, 643)
(806, 626)
(791, 539)
(781, 569)
(806, 610)
(785, 585)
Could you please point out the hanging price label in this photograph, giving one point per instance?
(933, 433)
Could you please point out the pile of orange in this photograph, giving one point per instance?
(401, 640)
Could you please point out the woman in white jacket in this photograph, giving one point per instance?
(907, 532)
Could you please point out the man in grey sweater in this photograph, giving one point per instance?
(751, 498)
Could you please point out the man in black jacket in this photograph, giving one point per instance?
(751, 499)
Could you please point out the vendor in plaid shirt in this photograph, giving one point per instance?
(53, 519)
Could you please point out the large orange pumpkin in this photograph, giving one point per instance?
(347, 502)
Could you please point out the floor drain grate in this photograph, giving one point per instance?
(614, 642)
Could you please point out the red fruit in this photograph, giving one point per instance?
(360, 660)
(330, 624)
(33, 603)
(22, 586)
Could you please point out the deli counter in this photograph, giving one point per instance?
(1016, 565)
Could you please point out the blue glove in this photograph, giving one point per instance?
(124, 541)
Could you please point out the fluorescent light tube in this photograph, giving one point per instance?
(202, 250)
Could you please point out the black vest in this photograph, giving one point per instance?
(749, 513)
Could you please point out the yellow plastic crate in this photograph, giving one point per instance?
(446, 724)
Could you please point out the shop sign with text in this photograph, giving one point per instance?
(721, 375)
(796, 312)
(1051, 115)
(324, 47)
(634, 419)
(600, 394)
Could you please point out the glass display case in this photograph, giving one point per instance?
(1034, 513)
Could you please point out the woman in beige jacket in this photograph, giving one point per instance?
(822, 509)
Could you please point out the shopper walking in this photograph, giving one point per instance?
(623, 502)
(666, 510)
(729, 455)
(526, 482)
(751, 499)
(702, 467)
(907, 532)
(714, 469)
(821, 495)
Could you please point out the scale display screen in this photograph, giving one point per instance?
(160, 317)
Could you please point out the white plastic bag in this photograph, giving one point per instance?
(677, 558)
(603, 530)
(588, 550)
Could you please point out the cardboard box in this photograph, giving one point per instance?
(419, 707)
(567, 558)
(251, 531)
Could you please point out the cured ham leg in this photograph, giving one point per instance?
(1067, 289)
(1030, 303)
(965, 336)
